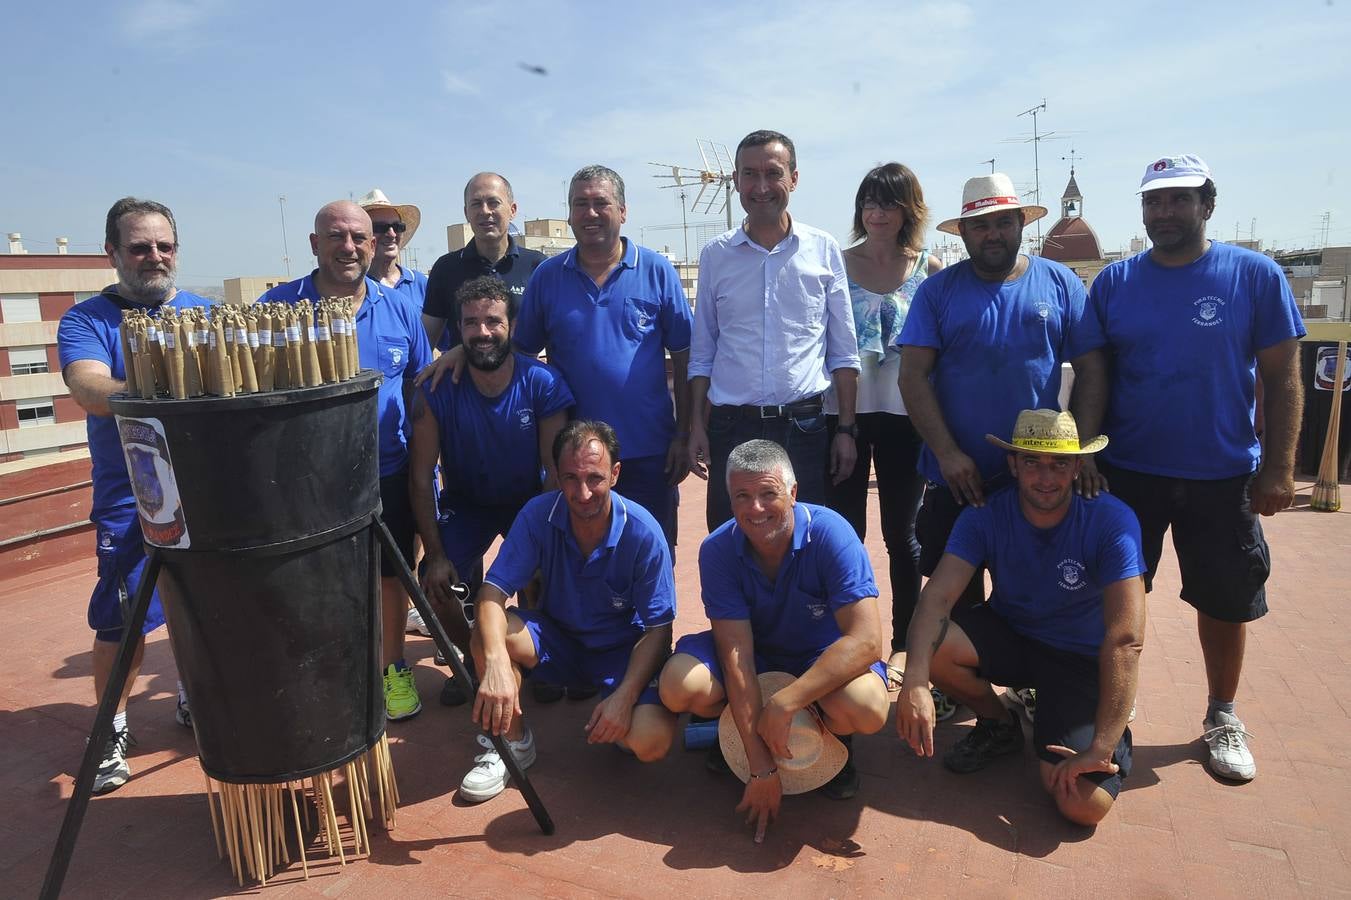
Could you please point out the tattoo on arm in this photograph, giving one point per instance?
(942, 633)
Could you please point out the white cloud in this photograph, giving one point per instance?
(454, 84)
(175, 19)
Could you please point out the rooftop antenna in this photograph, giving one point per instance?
(1035, 141)
(285, 251)
(991, 162)
(714, 181)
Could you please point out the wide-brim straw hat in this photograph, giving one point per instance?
(409, 214)
(1048, 431)
(987, 194)
(818, 755)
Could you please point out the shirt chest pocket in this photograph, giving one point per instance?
(620, 593)
(391, 355)
(640, 317)
(810, 607)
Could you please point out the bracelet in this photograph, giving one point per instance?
(770, 774)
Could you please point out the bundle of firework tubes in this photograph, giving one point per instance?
(229, 350)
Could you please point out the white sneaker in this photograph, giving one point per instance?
(1229, 755)
(488, 778)
(114, 770)
(1027, 699)
(415, 623)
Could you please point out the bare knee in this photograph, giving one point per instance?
(859, 707)
(687, 685)
(1087, 810)
(652, 733)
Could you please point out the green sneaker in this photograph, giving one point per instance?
(401, 699)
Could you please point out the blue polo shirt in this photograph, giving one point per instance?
(490, 453)
(610, 342)
(793, 619)
(412, 284)
(88, 330)
(1000, 346)
(1183, 344)
(1048, 583)
(605, 601)
(390, 340)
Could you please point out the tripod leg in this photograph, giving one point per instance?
(103, 726)
(424, 607)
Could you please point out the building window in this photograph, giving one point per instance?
(35, 412)
(81, 296)
(15, 308)
(28, 360)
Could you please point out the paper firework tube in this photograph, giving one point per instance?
(145, 368)
(173, 356)
(220, 354)
(293, 350)
(202, 343)
(192, 373)
(324, 345)
(310, 355)
(1327, 495)
(128, 364)
(156, 349)
(263, 356)
(338, 326)
(245, 341)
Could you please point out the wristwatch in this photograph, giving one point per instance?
(850, 429)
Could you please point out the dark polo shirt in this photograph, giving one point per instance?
(455, 268)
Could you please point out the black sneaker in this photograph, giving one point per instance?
(546, 693)
(845, 784)
(453, 693)
(986, 742)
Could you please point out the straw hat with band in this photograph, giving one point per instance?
(409, 214)
(1048, 431)
(987, 194)
(818, 755)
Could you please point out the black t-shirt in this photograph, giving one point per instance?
(458, 266)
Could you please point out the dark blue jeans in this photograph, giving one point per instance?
(804, 437)
(888, 444)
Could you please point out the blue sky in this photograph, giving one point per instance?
(216, 108)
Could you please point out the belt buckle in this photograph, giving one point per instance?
(771, 412)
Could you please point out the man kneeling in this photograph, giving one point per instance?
(608, 605)
(1066, 617)
(788, 587)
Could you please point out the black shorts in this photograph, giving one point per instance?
(397, 511)
(937, 515)
(1066, 685)
(1220, 548)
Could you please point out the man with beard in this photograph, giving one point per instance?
(773, 329)
(1066, 617)
(984, 339)
(141, 240)
(1172, 344)
(788, 587)
(605, 620)
(489, 207)
(493, 433)
(390, 340)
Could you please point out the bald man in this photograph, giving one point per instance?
(390, 340)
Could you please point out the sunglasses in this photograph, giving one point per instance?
(382, 227)
(143, 249)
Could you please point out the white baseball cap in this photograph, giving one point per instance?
(1182, 171)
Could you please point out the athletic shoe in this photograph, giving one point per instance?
(114, 770)
(489, 776)
(183, 715)
(1027, 699)
(415, 623)
(1229, 755)
(986, 742)
(845, 783)
(543, 692)
(401, 699)
(944, 708)
(453, 692)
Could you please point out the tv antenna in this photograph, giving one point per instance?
(714, 182)
(990, 162)
(1035, 140)
(285, 251)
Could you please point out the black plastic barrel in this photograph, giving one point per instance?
(260, 506)
(1318, 360)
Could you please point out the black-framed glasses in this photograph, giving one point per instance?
(143, 249)
(884, 205)
(382, 227)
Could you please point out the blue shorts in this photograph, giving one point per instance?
(563, 660)
(700, 645)
(467, 531)
(121, 561)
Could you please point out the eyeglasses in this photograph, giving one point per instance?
(143, 249)
(871, 205)
(382, 227)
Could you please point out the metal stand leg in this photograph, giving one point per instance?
(443, 644)
(102, 730)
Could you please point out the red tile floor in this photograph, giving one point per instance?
(629, 830)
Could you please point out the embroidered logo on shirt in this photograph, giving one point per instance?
(1071, 574)
(617, 601)
(1208, 311)
(817, 610)
(396, 356)
(527, 418)
(1043, 309)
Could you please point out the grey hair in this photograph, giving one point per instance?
(598, 173)
(762, 458)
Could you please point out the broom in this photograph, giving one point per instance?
(1327, 495)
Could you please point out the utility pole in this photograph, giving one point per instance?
(991, 162)
(285, 251)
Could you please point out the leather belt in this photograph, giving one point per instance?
(810, 406)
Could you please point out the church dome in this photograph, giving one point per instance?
(1071, 239)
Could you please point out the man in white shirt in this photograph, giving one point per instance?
(773, 329)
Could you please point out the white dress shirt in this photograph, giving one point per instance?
(771, 325)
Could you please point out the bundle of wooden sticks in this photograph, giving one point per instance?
(250, 821)
(1327, 494)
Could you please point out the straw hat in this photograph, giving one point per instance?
(408, 213)
(1048, 431)
(818, 755)
(991, 193)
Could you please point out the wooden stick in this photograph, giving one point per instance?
(215, 828)
(300, 835)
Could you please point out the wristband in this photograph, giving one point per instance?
(770, 774)
(851, 429)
